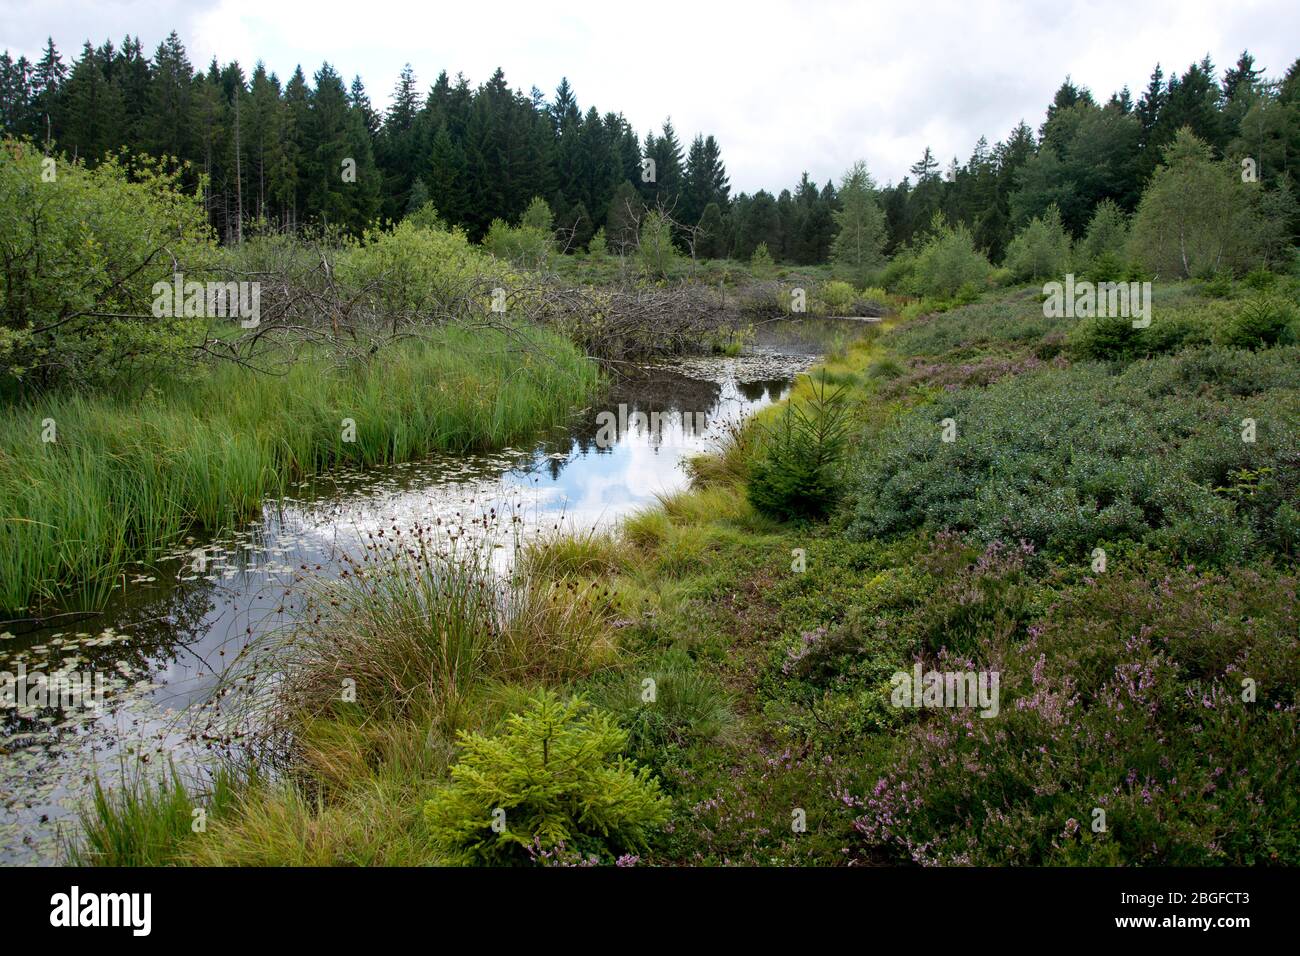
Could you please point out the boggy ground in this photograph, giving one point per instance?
(1100, 534)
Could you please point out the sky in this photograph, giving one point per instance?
(784, 86)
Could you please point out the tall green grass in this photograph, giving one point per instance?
(127, 475)
(146, 821)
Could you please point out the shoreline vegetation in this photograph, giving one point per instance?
(725, 669)
(126, 477)
(1093, 517)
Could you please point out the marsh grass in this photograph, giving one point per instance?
(128, 475)
(572, 555)
(420, 621)
(146, 820)
(421, 638)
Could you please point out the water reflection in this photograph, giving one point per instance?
(172, 629)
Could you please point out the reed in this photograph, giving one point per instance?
(127, 475)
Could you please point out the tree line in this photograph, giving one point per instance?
(277, 152)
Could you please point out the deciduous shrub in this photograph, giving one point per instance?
(838, 297)
(898, 273)
(83, 249)
(410, 271)
(947, 261)
(530, 244)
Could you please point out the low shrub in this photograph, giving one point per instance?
(796, 472)
(1260, 321)
(1114, 338)
(899, 272)
(838, 297)
(408, 271)
(554, 778)
(1067, 458)
(1125, 704)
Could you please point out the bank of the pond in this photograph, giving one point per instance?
(745, 668)
(436, 648)
(90, 483)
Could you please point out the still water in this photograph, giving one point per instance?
(170, 631)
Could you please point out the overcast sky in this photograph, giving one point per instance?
(784, 86)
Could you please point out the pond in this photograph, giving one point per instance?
(171, 629)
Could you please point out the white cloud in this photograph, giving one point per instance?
(785, 86)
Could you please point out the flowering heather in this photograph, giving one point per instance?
(1127, 697)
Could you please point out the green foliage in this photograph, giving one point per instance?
(83, 249)
(1042, 250)
(656, 254)
(528, 245)
(538, 216)
(1107, 338)
(598, 248)
(1114, 339)
(899, 273)
(796, 471)
(1196, 215)
(859, 244)
(1107, 267)
(1125, 693)
(1261, 321)
(425, 216)
(558, 776)
(685, 705)
(713, 243)
(1100, 254)
(409, 270)
(145, 822)
(837, 296)
(1217, 285)
(1260, 279)
(761, 263)
(1069, 458)
(947, 261)
(125, 477)
(1016, 324)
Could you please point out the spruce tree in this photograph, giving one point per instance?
(93, 114)
(169, 122)
(859, 244)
